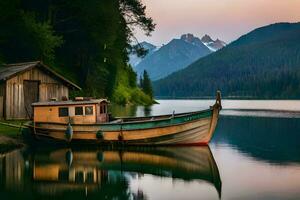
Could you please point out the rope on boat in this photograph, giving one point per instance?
(19, 127)
(121, 136)
(218, 100)
(100, 135)
(13, 125)
(69, 131)
(34, 128)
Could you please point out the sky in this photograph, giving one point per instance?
(223, 19)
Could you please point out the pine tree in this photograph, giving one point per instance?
(146, 84)
(141, 82)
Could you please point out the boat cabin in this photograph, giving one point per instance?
(74, 111)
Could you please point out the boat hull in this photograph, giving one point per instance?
(194, 128)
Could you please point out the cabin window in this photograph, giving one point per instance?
(78, 110)
(89, 110)
(63, 112)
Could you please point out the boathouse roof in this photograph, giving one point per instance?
(10, 70)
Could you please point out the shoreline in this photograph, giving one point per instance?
(10, 137)
(8, 144)
(223, 98)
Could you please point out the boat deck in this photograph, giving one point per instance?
(152, 118)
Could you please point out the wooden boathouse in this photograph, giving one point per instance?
(22, 84)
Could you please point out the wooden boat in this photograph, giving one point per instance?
(70, 170)
(87, 121)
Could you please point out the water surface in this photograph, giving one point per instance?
(254, 154)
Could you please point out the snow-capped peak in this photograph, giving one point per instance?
(206, 39)
(213, 45)
(190, 38)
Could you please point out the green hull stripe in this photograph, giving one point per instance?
(156, 123)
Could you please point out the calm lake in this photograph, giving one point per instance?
(254, 154)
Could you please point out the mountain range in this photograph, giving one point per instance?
(174, 56)
(264, 63)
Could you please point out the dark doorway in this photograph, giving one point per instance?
(31, 95)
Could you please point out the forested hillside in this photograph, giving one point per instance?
(264, 63)
(87, 41)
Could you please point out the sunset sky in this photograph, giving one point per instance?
(223, 19)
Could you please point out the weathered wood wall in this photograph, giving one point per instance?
(2, 85)
(49, 87)
(1, 107)
(52, 90)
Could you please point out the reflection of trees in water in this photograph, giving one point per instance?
(147, 111)
(116, 186)
(129, 110)
(139, 195)
(275, 140)
(123, 111)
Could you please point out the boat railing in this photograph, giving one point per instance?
(159, 117)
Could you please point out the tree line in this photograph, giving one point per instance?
(87, 41)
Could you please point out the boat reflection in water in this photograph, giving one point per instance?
(98, 173)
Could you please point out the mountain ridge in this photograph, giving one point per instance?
(213, 45)
(263, 63)
(175, 55)
(134, 60)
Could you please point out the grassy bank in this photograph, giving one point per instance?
(10, 136)
(10, 128)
